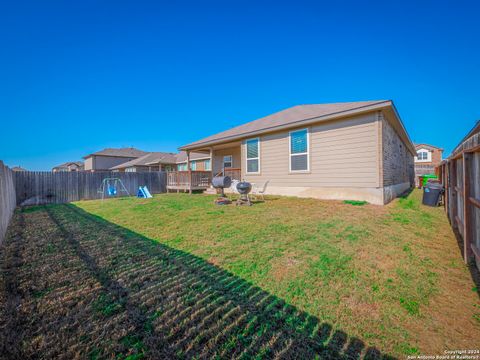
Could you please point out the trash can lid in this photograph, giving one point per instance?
(434, 185)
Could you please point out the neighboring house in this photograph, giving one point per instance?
(18, 168)
(107, 158)
(153, 161)
(198, 161)
(427, 159)
(69, 166)
(160, 161)
(356, 150)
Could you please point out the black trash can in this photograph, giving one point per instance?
(432, 193)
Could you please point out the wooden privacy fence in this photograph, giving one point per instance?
(44, 187)
(7, 198)
(460, 174)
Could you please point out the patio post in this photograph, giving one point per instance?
(211, 160)
(189, 173)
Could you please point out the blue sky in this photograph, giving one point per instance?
(78, 76)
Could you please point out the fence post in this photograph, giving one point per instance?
(467, 213)
(446, 183)
(453, 180)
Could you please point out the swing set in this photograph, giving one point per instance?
(112, 187)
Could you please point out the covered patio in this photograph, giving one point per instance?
(225, 161)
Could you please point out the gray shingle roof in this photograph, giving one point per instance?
(149, 158)
(119, 152)
(64, 165)
(18, 168)
(182, 156)
(419, 145)
(290, 116)
(154, 158)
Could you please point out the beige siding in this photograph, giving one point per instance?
(106, 162)
(342, 153)
(89, 164)
(218, 155)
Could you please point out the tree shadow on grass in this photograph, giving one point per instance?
(149, 300)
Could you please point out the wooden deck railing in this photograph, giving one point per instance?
(234, 173)
(180, 180)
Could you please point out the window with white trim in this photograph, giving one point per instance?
(193, 165)
(422, 155)
(299, 150)
(208, 165)
(253, 156)
(227, 161)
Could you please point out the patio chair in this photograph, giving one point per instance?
(258, 190)
(233, 187)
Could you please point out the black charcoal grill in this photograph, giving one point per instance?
(222, 182)
(244, 189)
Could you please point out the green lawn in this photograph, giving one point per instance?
(286, 277)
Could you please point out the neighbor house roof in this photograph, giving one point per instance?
(423, 145)
(67, 164)
(149, 159)
(298, 116)
(154, 158)
(181, 157)
(118, 152)
(18, 168)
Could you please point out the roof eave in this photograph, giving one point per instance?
(397, 115)
(302, 122)
(432, 146)
(120, 156)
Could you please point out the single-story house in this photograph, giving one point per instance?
(153, 161)
(198, 161)
(161, 161)
(69, 166)
(354, 150)
(105, 159)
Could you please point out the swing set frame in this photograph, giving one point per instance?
(117, 183)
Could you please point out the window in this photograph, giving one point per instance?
(227, 161)
(131, 169)
(422, 155)
(193, 165)
(208, 165)
(299, 150)
(182, 167)
(253, 156)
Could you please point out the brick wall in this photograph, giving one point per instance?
(436, 157)
(398, 163)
